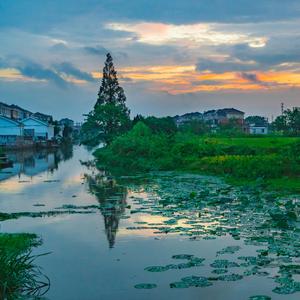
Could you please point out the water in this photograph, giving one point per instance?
(102, 255)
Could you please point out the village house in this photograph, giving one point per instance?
(18, 125)
(223, 116)
(10, 131)
(259, 128)
(37, 129)
(13, 111)
(43, 117)
(183, 119)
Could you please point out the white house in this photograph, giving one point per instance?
(258, 129)
(37, 129)
(10, 130)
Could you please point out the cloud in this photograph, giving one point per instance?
(252, 77)
(70, 70)
(34, 70)
(51, 13)
(96, 50)
(189, 34)
(56, 73)
(59, 47)
(226, 65)
(274, 54)
(207, 82)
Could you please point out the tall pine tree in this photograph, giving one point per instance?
(110, 92)
(110, 116)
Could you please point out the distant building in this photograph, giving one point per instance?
(183, 119)
(13, 111)
(43, 117)
(66, 122)
(223, 116)
(37, 129)
(259, 127)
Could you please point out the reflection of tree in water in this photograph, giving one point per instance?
(63, 153)
(112, 200)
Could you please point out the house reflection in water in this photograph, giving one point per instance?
(33, 162)
(112, 200)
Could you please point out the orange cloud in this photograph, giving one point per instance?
(11, 74)
(185, 79)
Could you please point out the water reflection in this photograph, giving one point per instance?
(32, 162)
(112, 199)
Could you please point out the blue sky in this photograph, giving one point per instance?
(172, 57)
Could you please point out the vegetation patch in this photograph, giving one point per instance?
(19, 276)
(144, 149)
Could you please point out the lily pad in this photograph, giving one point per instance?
(146, 286)
(260, 297)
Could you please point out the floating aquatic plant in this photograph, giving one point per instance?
(145, 286)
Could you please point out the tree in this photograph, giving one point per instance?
(255, 120)
(110, 116)
(110, 92)
(231, 128)
(288, 122)
(198, 127)
(67, 131)
(161, 125)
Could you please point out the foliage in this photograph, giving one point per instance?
(67, 131)
(161, 125)
(198, 127)
(248, 157)
(56, 128)
(19, 276)
(138, 149)
(288, 122)
(110, 116)
(255, 120)
(231, 128)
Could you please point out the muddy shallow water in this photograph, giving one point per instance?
(144, 237)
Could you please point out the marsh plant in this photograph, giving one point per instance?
(20, 277)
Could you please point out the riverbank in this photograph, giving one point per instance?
(273, 160)
(23, 145)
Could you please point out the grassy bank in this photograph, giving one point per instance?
(275, 159)
(19, 276)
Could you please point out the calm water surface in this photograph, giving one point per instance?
(103, 254)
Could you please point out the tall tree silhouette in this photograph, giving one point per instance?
(110, 116)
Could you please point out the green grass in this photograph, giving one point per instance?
(261, 142)
(19, 242)
(19, 276)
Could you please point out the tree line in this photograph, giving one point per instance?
(110, 116)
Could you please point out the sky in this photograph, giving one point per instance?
(172, 56)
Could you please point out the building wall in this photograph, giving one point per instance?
(5, 110)
(50, 132)
(235, 116)
(40, 130)
(9, 132)
(258, 130)
(9, 128)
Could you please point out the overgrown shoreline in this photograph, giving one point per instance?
(274, 160)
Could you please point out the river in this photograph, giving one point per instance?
(132, 223)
